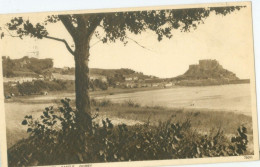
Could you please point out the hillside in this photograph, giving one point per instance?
(33, 67)
(207, 69)
(25, 67)
(207, 72)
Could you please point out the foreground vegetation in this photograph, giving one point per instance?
(202, 120)
(55, 139)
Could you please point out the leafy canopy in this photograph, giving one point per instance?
(117, 24)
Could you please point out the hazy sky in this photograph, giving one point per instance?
(224, 38)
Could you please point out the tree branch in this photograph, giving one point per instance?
(100, 40)
(64, 41)
(11, 34)
(68, 25)
(139, 44)
(127, 38)
(96, 43)
(94, 23)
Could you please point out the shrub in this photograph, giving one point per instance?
(99, 84)
(26, 88)
(131, 103)
(36, 87)
(55, 138)
(101, 103)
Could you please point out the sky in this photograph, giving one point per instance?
(227, 39)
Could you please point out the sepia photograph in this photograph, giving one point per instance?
(147, 86)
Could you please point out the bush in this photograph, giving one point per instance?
(26, 88)
(101, 103)
(36, 87)
(55, 138)
(131, 103)
(98, 84)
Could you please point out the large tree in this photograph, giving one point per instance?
(116, 26)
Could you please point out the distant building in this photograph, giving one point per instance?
(130, 85)
(129, 79)
(18, 79)
(59, 76)
(135, 78)
(98, 77)
(45, 93)
(66, 68)
(170, 84)
(41, 77)
(144, 85)
(13, 84)
(155, 85)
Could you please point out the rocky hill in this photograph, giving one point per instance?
(207, 72)
(207, 69)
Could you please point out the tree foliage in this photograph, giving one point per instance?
(117, 25)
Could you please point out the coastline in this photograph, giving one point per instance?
(110, 91)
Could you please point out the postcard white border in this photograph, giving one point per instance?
(157, 162)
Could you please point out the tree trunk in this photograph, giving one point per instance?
(82, 84)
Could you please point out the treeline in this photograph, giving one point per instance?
(39, 86)
(111, 72)
(42, 86)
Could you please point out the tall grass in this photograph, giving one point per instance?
(56, 139)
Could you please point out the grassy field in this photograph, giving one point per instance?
(202, 120)
(130, 113)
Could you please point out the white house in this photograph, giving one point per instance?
(62, 77)
(169, 84)
(129, 79)
(98, 77)
(155, 85)
(135, 78)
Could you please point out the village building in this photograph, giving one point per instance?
(128, 79)
(155, 84)
(98, 77)
(18, 79)
(170, 84)
(59, 76)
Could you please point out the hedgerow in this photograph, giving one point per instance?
(55, 138)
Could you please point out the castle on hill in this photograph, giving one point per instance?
(207, 69)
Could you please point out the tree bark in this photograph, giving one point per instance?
(82, 84)
(81, 36)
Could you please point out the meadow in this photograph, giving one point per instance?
(130, 113)
(55, 137)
